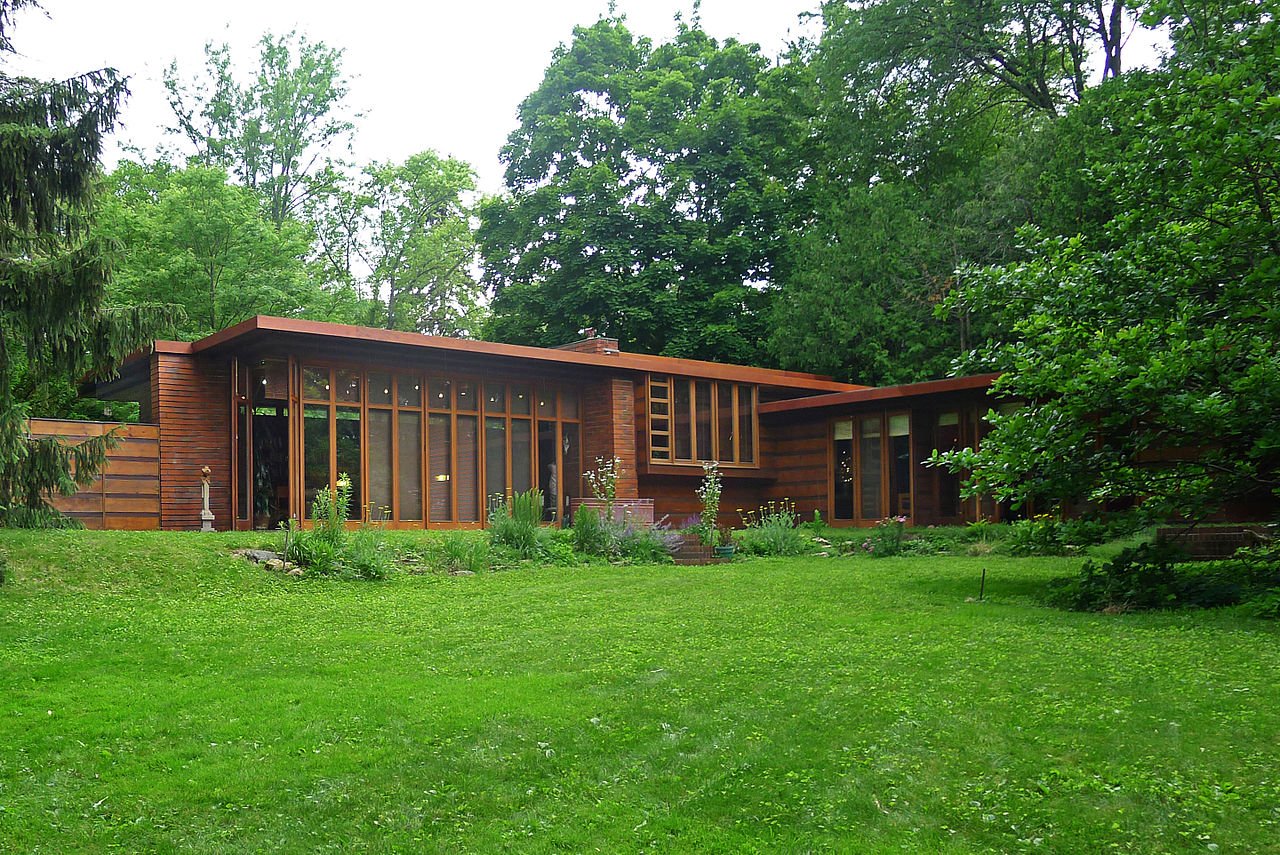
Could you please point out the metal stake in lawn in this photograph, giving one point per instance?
(982, 586)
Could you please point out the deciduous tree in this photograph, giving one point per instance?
(276, 133)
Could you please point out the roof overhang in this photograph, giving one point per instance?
(881, 395)
(262, 331)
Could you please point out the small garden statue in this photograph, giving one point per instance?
(206, 515)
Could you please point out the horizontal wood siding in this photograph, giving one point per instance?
(193, 400)
(126, 495)
(675, 497)
(797, 453)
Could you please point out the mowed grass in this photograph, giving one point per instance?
(160, 695)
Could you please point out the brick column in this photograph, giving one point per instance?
(609, 429)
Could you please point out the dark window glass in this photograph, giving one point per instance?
(520, 401)
(408, 391)
(468, 469)
(242, 462)
(546, 403)
(381, 464)
(900, 465)
(947, 437)
(347, 386)
(495, 398)
(725, 418)
(571, 459)
(495, 459)
(440, 449)
(568, 404)
(379, 388)
(521, 455)
(348, 456)
(683, 419)
(702, 410)
(439, 394)
(870, 465)
(466, 396)
(548, 470)
(315, 452)
(315, 384)
(746, 424)
(410, 464)
(842, 495)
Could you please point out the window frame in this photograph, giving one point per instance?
(668, 382)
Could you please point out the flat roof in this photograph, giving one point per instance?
(881, 393)
(260, 325)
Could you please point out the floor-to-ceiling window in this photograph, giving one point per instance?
(871, 467)
(429, 449)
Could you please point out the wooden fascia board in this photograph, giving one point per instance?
(883, 393)
(630, 362)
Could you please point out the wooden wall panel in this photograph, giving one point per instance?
(127, 493)
(797, 452)
(192, 397)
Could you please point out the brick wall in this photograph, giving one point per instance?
(608, 429)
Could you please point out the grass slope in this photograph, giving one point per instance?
(163, 696)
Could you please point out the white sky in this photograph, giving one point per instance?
(431, 74)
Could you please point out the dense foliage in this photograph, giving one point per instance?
(55, 317)
(649, 195)
(1146, 343)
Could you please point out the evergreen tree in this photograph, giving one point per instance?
(53, 270)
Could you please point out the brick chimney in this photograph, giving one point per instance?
(591, 343)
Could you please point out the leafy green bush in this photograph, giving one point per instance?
(771, 530)
(20, 516)
(460, 552)
(328, 549)
(1149, 576)
(515, 524)
(1040, 535)
(365, 555)
(646, 544)
(1265, 605)
(886, 537)
(592, 535)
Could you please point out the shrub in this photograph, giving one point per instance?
(646, 544)
(1040, 535)
(515, 524)
(886, 538)
(592, 535)
(1150, 576)
(366, 555)
(460, 552)
(21, 516)
(328, 549)
(771, 530)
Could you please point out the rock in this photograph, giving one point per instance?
(462, 573)
(274, 564)
(294, 571)
(261, 556)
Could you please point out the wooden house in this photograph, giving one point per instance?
(430, 429)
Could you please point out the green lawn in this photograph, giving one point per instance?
(161, 695)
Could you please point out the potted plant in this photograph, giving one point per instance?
(724, 547)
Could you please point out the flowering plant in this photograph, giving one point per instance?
(709, 493)
(603, 481)
(886, 538)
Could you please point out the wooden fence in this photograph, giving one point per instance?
(127, 494)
